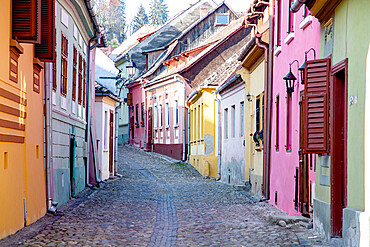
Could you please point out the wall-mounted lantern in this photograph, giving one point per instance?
(131, 68)
(290, 79)
(249, 97)
(301, 68)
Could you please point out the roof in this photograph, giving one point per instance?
(220, 37)
(165, 35)
(232, 80)
(104, 67)
(103, 91)
(215, 37)
(134, 39)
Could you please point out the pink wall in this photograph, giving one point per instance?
(283, 163)
(137, 97)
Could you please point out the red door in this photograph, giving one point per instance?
(111, 149)
(338, 147)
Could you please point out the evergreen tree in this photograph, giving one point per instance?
(111, 16)
(140, 19)
(158, 12)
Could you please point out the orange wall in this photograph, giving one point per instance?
(24, 177)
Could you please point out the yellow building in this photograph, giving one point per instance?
(253, 73)
(22, 174)
(203, 136)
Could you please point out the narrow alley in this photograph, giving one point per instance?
(159, 203)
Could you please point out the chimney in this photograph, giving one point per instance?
(203, 11)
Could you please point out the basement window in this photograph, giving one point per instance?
(222, 19)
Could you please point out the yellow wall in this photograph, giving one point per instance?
(23, 178)
(202, 131)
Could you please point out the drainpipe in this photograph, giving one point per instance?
(183, 122)
(297, 5)
(268, 101)
(219, 135)
(48, 145)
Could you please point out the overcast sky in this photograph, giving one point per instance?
(175, 6)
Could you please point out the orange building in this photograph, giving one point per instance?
(25, 44)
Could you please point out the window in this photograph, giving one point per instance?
(176, 112)
(222, 19)
(74, 82)
(155, 113)
(233, 120)
(195, 124)
(160, 116)
(55, 75)
(84, 83)
(277, 123)
(200, 112)
(242, 118)
(226, 123)
(26, 20)
(306, 12)
(288, 145)
(167, 114)
(290, 18)
(105, 130)
(45, 51)
(142, 113)
(258, 114)
(137, 113)
(15, 51)
(80, 79)
(64, 66)
(278, 22)
(36, 76)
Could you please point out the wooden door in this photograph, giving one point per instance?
(111, 148)
(338, 148)
(132, 127)
(303, 175)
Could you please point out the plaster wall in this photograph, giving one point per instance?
(283, 158)
(169, 133)
(68, 116)
(233, 151)
(203, 154)
(22, 175)
(103, 105)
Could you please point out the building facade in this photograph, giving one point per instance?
(294, 189)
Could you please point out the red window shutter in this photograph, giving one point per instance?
(26, 20)
(45, 51)
(316, 131)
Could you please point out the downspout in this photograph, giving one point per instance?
(183, 121)
(89, 48)
(265, 46)
(297, 5)
(269, 98)
(219, 135)
(48, 134)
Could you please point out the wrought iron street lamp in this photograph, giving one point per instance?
(302, 67)
(290, 79)
(131, 68)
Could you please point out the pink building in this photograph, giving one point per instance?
(137, 115)
(292, 177)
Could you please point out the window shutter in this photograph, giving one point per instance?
(26, 20)
(316, 131)
(129, 99)
(45, 51)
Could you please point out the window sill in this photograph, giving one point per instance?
(167, 127)
(289, 38)
(277, 50)
(305, 22)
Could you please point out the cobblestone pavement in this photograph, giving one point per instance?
(159, 203)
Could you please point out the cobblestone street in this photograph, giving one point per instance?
(159, 203)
